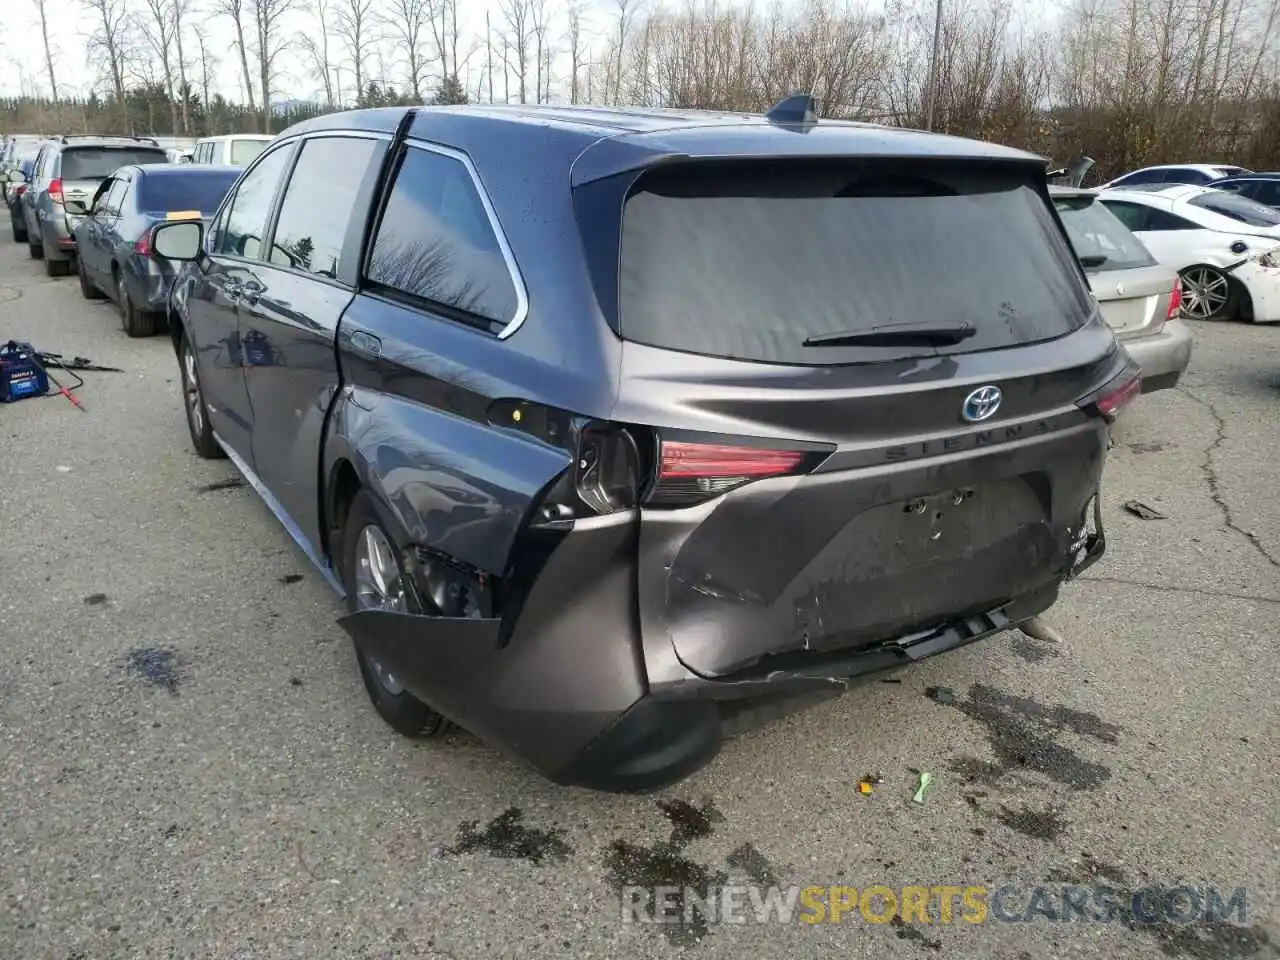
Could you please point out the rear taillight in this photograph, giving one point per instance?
(692, 472)
(55, 191)
(142, 246)
(1115, 396)
(20, 189)
(1175, 300)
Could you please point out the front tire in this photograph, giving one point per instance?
(87, 289)
(35, 249)
(19, 232)
(198, 424)
(55, 268)
(1208, 294)
(371, 574)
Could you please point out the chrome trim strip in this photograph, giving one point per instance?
(522, 296)
(326, 573)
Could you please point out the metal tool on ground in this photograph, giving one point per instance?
(64, 391)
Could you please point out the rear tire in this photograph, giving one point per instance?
(56, 268)
(198, 424)
(136, 323)
(36, 250)
(19, 232)
(363, 539)
(87, 289)
(1208, 294)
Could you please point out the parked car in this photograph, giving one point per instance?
(71, 168)
(1200, 173)
(680, 418)
(16, 182)
(237, 150)
(12, 150)
(1262, 188)
(113, 240)
(1140, 298)
(1225, 247)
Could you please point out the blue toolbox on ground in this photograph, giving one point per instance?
(21, 374)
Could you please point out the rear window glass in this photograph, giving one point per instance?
(198, 191)
(749, 261)
(1102, 242)
(243, 151)
(1238, 208)
(98, 163)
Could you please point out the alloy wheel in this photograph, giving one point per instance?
(378, 587)
(191, 387)
(1205, 292)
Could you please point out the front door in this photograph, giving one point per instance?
(232, 252)
(289, 313)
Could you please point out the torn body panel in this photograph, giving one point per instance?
(1261, 277)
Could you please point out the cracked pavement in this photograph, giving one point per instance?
(189, 766)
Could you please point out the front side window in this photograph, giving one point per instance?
(780, 262)
(1142, 176)
(312, 225)
(435, 241)
(1240, 209)
(245, 224)
(1101, 241)
(115, 198)
(1185, 175)
(99, 203)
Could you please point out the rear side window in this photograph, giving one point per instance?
(244, 152)
(1268, 192)
(1102, 242)
(195, 191)
(1240, 209)
(1142, 176)
(242, 228)
(1184, 175)
(435, 241)
(95, 163)
(313, 220)
(748, 261)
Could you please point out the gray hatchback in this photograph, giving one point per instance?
(620, 429)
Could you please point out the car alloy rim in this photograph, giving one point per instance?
(1204, 292)
(378, 587)
(195, 406)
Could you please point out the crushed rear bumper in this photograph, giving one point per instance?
(579, 693)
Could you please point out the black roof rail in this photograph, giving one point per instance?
(797, 108)
(68, 137)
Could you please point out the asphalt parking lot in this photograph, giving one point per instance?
(189, 766)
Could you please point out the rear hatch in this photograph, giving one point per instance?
(866, 380)
(82, 169)
(1132, 290)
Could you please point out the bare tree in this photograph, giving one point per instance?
(408, 20)
(270, 42)
(355, 29)
(539, 21)
(488, 48)
(315, 51)
(518, 36)
(180, 8)
(574, 37)
(48, 50)
(443, 20)
(206, 73)
(159, 31)
(237, 12)
(109, 42)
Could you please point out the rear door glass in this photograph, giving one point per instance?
(747, 261)
(94, 163)
(1240, 209)
(243, 152)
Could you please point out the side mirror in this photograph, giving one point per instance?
(180, 240)
(76, 206)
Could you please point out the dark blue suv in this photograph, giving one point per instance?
(621, 429)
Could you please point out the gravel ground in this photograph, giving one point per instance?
(189, 766)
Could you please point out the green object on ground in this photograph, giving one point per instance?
(926, 778)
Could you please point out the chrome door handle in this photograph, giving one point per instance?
(251, 291)
(366, 343)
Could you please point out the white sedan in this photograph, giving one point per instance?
(1225, 247)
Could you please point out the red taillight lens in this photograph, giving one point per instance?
(55, 191)
(690, 473)
(1175, 300)
(1116, 399)
(20, 189)
(142, 246)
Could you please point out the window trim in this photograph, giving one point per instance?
(269, 224)
(467, 319)
(345, 280)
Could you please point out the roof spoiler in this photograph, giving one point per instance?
(797, 108)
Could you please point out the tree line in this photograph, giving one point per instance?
(1128, 82)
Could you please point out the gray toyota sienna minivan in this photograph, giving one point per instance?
(621, 429)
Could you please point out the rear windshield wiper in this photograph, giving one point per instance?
(900, 335)
(1093, 260)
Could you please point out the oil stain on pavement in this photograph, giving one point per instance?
(1037, 824)
(664, 864)
(1024, 733)
(1032, 651)
(507, 837)
(157, 665)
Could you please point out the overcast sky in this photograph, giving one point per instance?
(22, 68)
